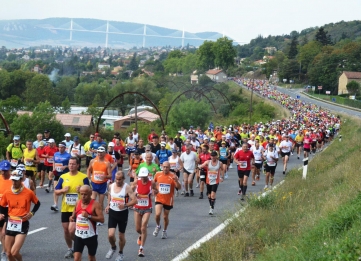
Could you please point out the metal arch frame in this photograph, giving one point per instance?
(5, 123)
(176, 98)
(204, 88)
(120, 95)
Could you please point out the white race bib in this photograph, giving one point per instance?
(243, 164)
(58, 167)
(71, 199)
(14, 162)
(99, 176)
(82, 228)
(212, 177)
(51, 160)
(14, 224)
(164, 188)
(143, 200)
(115, 202)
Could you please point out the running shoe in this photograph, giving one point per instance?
(156, 231)
(201, 196)
(182, 193)
(4, 256)
(270, 187)
(298, 157)
(164, 235)
(139, 242)
(192, 193)
(100, 224)
(47, 190)
(242, 197)
(120, 257)
(141, 252)
(187, 194)
(239, 192)
(231, 166)
(266, 187)
(110, 253)
(177, 193)
(284, 172)
(257, 177)
(197, 185)
(210, 211)
(69, 254)
(54, 207)
(291, 153)
(226, 176)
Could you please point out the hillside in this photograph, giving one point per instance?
(55, 31)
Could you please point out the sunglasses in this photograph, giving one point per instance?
(92, 137)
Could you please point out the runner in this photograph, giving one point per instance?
(224, 157)
(299, 142)
(306, 145)
(77, 150)
(14, 152)
(134, 164)
(116, 158)
(203, 157)
(68, 142)
(143, 188)
(215, 173)
(244, 159)
(257, 151)
(5, 184)
(163, 154)
(152, 167)
(68, 187)
(99, 172)
(271, 157)
(189, 159)
(39, 138)
(61, 162)
(285, 147)
(86, 213)
(41, 167)
(175, 165)
(49, 152)
(118, 213)
(88, 151)
(18, 201)
(30, 159)
(131, 145)
(96, 144)
(166, 182)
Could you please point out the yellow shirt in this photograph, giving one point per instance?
(30, 155)
(87, 148)
(299, 138)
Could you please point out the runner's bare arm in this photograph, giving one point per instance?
(133, 199)
(98, 213)
(109, 171)
(108, 202)
(180, 164)
(90, 169)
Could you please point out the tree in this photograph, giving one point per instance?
(65, 106)
(308, 52)
(293, 48)
(322, 37)
(224, 53)
(39, 89)
(206, 56)
(133, 65)
(65, 88)
(175, 54)
(353, 87)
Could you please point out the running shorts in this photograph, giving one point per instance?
(91, 243)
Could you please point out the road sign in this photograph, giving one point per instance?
(298, 97)
(319, 87)
(328, 92)
(284, 80)
(334, 99)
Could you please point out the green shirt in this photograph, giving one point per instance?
(16, 152)
(150, 168)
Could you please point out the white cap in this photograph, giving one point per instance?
(67, 134)
(143, 172)
(16, 174)
(51, 141)
(111, 144)
(163, 144)
(101, 149)
(260, 134)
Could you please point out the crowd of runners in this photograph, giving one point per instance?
(191, 163)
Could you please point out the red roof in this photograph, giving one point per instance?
(77, 120)
(353, 75)
(145, 115)
(214, 71)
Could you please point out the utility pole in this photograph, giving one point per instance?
(136, 110)
(250, 109)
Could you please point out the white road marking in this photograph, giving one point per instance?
(215, 231)
(34, 231)
(43, 186)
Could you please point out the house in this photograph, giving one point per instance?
(270, 50)
(217, 75)
(345, 78)
(194, 79)
(103, 66)
(37, 69)
(126, 121)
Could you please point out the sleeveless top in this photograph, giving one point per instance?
(117, 198)
(84, 227)
(174, 163)
(223, 153)
(99, 172)
(29, 165)
(143, 193)
(212, 173)
(26, 183)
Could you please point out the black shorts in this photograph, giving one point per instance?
(313, 143)
(308, 150)
(29, 173)
(283, 154)
(166, 207)
(65, 217)
(175, 172)
(118, 218)
(224, 161)
(87, 161)
(299, 144)
(56, 177)
(211, 188)
(41, 167)
(91, 243)
(242, 173)
(24, 230)
(202, 175)
(271, 169)
(258, 165)
(49, 169)
(2, 222)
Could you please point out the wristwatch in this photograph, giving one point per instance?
(89, 216)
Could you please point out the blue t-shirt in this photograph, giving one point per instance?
(95, 145)
(163, 155)
(61, 159)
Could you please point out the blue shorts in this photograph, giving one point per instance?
(100, 188)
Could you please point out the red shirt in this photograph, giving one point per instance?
(120, 149)
(150, 137)
(41, 151)
(50, 152)
(245, 159)
(204, 157)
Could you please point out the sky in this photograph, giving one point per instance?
(240, 20)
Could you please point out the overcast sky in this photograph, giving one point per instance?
(241, 20)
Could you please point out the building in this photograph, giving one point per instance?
(103, 66)
(194, 79)
(126, 121)
(217, 75)
(345, 78)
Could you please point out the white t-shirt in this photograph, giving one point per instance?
(154, 157)
(257, 153)
(189, 161)
(285, 146)
(76, 149)
(270, 161)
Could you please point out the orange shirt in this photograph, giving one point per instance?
(19, 204)
(5, 184)
(107, 157)
(218, 135)
(100, 171)
(165, 186)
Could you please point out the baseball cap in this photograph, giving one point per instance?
(147, 147)
(213, 153)
(111, 144)
(46, 131)
(163, 144)
(67, 134)
(51, 141)
(41, 143)
(62, 144)
(174, 151)
(16, 174)
(4, 165)
(213, 139)
(143, 172)
(191, 127)
(136, 152)
(223, 142)
(206, 138)
(76, 138)
(101, 149)
(16, 137)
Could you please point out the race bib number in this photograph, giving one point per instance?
(41, 160)
(243, 164)
(202, 176)
(14, 162)
(116, 202)
(212, 177)
(71, 199)
(59, 167)
(14, 224)
(28, 163)
(50, 160)
(82, 228)
(173, 165)
(143, 200)
(74, 151)
(99, 175)
(164, 188)
(150, 176)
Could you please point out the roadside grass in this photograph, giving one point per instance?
(314, 219)
(337, 99)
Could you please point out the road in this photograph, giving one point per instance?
(189, 220)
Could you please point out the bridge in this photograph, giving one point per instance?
(144, 31)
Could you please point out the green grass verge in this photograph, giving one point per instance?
(314, 219)
(337, 99)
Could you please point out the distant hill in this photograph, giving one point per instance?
(337, 31)
(91, 32)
